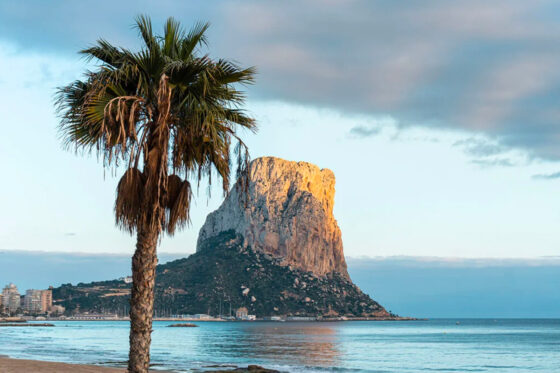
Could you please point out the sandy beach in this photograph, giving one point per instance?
(8, 365)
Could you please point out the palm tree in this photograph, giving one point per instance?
(169, 114)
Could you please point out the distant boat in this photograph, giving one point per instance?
(457, 323)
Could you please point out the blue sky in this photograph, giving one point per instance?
(441, 120)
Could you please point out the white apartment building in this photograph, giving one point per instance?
(37, 301)
(11, 299)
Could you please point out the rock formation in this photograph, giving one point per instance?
(224, 275)
(278, 254)
(288, 215)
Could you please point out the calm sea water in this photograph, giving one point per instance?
(416, 346)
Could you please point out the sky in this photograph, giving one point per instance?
(440, 120)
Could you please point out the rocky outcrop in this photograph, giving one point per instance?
(288, 214)
(276, 253)
(224, 276)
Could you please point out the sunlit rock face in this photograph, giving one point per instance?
(288, 215)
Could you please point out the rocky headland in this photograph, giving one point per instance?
(275, 249)
(286, 213)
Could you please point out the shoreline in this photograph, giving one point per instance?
(179, 319)
(11, 365)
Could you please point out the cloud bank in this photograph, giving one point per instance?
(485, 67)
(552, 176)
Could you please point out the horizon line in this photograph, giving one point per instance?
(426, 258)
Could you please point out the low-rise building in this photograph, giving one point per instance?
(301, 318)
(273, 318)
(241, 312)
(126, 280)
(94, 316)
(57, 310)
(202, 316)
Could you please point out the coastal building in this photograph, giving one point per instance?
(14, 303)
(6, 294)
(32, 301)
(301, 318)
(37, 301)
(46, 299)
(241, 312)
(11, 300)
(202, 316)
(126, 280)
(273, 318)
(57, 310)
(94, 316)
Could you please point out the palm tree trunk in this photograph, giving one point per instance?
(144, 264)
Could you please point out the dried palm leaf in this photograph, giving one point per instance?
(174, 184)
(128, 205)
(179, 213)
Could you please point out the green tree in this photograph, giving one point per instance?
(169, 114)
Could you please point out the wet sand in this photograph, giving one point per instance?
(8, 365)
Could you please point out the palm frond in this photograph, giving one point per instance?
(173, 33)
(195, 38)
(164, 109)
(128, 205)
(104, 52)
(144, 27)
(179, 214)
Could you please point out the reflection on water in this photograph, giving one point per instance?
(512, 346)
(288, 343)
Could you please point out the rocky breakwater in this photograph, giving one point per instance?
(288, 214)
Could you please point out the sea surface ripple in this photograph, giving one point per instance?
(440, 345)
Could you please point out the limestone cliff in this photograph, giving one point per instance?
(278, 254)
(288, 215)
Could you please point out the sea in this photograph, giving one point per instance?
(438, 345)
